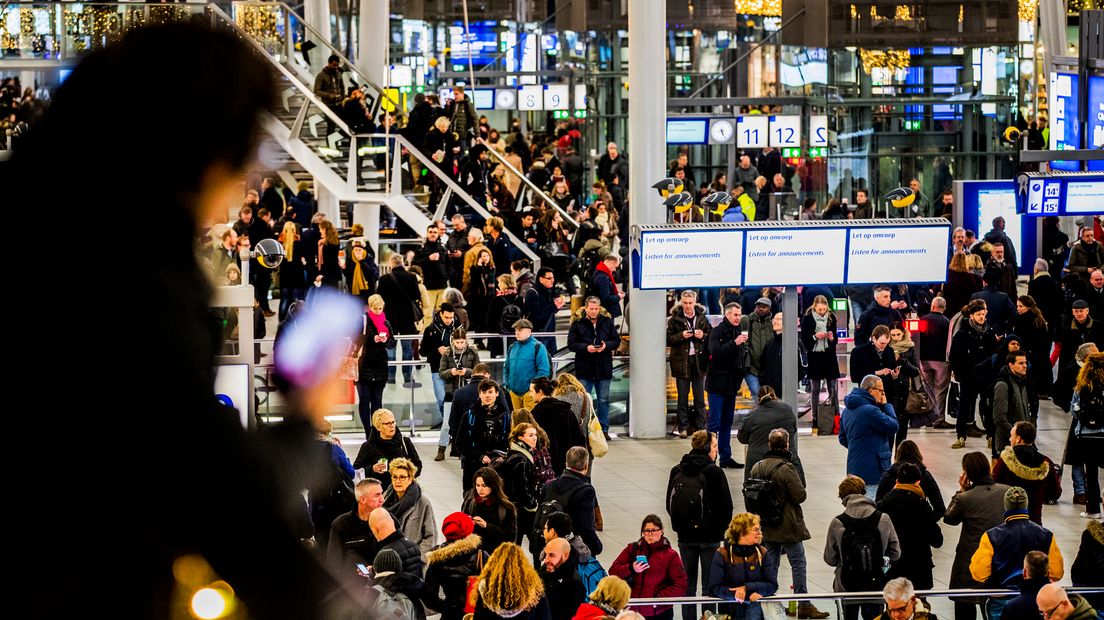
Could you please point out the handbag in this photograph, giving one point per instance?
(919, 402)
(473, 585)
(598, 524)
(350, 362)
(773, 610)
(595, 437)
(826, 414)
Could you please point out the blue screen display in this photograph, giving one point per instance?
(1070, 107)
(1095, 137)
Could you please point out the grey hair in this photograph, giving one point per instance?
(1041, 265)
(870, 381)
(899, 589)
(1085, 350)
(688, 293)
(939, 302)
(591, 299)
(396, 260)
(959, 230)
(577, 458)
(613, 144)
(475, 232)
(362, 486)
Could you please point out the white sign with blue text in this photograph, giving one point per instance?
(706, 258)
(911, 254)
(794, 256)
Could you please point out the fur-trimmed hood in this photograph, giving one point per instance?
(580, 312)
(1096, 530)
(455, 549)
(1014, 463)
(677, 310)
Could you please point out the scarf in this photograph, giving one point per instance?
(400, 506)
(915, 488)
(902, 346)
(978, 327)
(379, 320)
(606, 270)
(360, 283)
(821, 326)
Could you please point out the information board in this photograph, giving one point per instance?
(556, 97)
(751, 131)
(1043, 196)
(794, 256)
(911, 254)
(785, 131)
(1065, 117)
(705, 258)
(818, 130)
(687, 130)
(1084, 196)
(530, 98)
(1095, 137)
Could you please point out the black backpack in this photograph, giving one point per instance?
(686, 504)
(1090, 414)
(861, 547)
(762, 496)
(511, 313)
(547, 507)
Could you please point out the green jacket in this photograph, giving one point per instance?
(1081, 609)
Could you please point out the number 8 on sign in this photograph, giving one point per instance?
(785, 131)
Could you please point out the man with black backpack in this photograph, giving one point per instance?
(861, 544)
(774, 491)
(700, 524)
(572, 494)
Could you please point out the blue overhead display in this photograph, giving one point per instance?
(1074, 194)
(1095, 137)
(1065, 117)
(687, 130)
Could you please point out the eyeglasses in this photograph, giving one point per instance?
(549, 277)
(899, 610)
(399, 477)
(651, 531)
(877, 388)
(1048, 613)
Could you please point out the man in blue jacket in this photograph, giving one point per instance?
(593, 338)
(526, 360)
(867, 426)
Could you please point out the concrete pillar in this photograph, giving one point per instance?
(372, 40)
(328, 204)
(317, 14)
(646, 149)
(368, 214)
(789, 348)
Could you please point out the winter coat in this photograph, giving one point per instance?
(1085, 258)
(464, 360)
(1002, 311)
(1012, 402)
(858, 507)
(602, 287)
(998, 561)
(934, 338)
(559, 422)
(822, 364)
(977, 509)
(591, 611)
(368, 267)
(1023, 607)
(373, 355)
(927, 484)
(578, 498)
(448, 566)
(874, 316)
(742, 565)
(583, 333)
(377, 448)
(724, 376)
(867, 430)
(718, 510)
(409, 554)
(525, 360)
(1024, 466)
(1047, 293)
(760, 333)
(437, 334)
(435, 272)
(519, 480)
(481, 432)
(792, 528)
(1037, 342)
(969, 347)
(535, 607)
(958, 289)
(865, 359)
(680, 346)
(770, 364)
(540, 308)
(467, 397)
(351, 543)
(1088, 567)
(501, 521)
(757, 428)
(664, 577)
(1072, 334)
(563, 587)
(293, 274)
(913, 517)
(413, 516)
(401, 294)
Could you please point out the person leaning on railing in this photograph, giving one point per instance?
(742, 570)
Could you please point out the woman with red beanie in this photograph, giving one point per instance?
(451, 563)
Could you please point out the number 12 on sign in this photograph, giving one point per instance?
(785, 131)
(751, 131)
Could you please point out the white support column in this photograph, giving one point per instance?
(317, 14)
(328, 204)
(646, 151)
(368, 214)
(372, 40)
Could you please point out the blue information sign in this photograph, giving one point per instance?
(1095, 137)
(1065, 117)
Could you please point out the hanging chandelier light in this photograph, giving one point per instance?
(891, 60)
(767, 8)
(1027, 10)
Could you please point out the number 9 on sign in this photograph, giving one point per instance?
(785, 131)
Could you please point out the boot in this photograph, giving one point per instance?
(440, 454)
(808, 610)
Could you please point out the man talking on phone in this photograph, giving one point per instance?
(593, 338)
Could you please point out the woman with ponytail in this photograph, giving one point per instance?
(771, 413)
(293, 275)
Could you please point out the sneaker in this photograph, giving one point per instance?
(607, 435)
(412, 384)
(1079, 499)
(959, 443)
(440, 454)
(1090, 515)
(682, 434)
(808, 610)
(731, 464)
(675, 432)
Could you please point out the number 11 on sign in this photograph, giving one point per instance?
(751, 131)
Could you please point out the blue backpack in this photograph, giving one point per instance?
(590, 573)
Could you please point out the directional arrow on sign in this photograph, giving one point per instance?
(285, 97)
(333, 139)
(312, 124)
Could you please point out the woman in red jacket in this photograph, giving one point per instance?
(652, 568)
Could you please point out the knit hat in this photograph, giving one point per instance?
(457, 525)
(763, 301)
(387, 562)
(1015, 498)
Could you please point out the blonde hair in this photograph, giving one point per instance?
(506, 281)
(613, 592)
(402, 463)
(567, 382)
(377, 416)
(958, 263)
(289, 233)
(973, 261)
(441, 123)
(329, 233)
(376, 301)
(509, 581)
(741, 523)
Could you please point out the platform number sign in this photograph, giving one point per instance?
(530, 97)
(556, 97)
(751, 132)
(785, 131)
(818, 130)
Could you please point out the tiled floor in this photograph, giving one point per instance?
(631, 481)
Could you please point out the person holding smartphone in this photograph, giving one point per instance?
(652, 569)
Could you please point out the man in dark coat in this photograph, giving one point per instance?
(402, 305)
(910, 512)
(881, 312)
(466, 397)
(613, 164)
(728, 361)
(558, 421)
(271, 199)
(456, 247)
(867, 426)
(997, 235)
(687, 332)
(577, 496)
(351, 538)
(572, 167)
(605, 288)
(874, 357)
(1002, 312)
(560, 573)
(1076, 329)
(1021, 464)
(432, 257)
(389, 537)
(933, 342)
(1086, 255)
(1013, 399)
(419, 121)
(1004, 270)
(593, 338)
(698, 542)
(1036, 574)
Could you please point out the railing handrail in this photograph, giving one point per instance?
(991, 592)
(533, 186)
(305, 90)
(329, 45)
